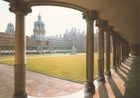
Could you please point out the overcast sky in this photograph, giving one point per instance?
(56, 19)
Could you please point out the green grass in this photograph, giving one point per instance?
(69, 67)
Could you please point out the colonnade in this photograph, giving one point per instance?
(120, 49)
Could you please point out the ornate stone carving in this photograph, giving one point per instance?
(90, 15)
(20, 7)
(102, 24)
(114, 34)
(108, 28)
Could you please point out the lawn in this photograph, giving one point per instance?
(65, 66)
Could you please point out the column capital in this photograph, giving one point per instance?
(90, 15)
(119, 36)
(114, 34)
(20, 7)
(102, 24)
(123, 39)
(108, 28)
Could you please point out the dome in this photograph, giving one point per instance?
(39, 29)
(39, 24)
(10, 28)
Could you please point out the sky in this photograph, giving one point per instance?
(56, 19)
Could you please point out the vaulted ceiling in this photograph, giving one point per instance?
(122, 15)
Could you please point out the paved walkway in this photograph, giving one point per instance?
(123, 84)
(37, 84)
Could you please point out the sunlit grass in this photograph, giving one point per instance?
(65, 66)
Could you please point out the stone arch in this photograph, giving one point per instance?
(58, 3)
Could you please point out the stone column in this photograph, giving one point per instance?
(90, 16)
(118, 52)
(128, 49)
(123, 51)
(108, 72)
(0, 49)
(101, 25)
(117, 48)
(120, 49)
(114, 66)
(20, 9)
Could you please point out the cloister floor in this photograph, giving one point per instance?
(123, 84)
(37, 84)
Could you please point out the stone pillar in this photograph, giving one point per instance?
(128, 49)
(108, 72)
(101, 25)
(114, 66)
(90, 16)
(0, 50)
(123, 50)
(20, 9)
(119, 52)
(121, 46)
(125, 53)
(120, 49)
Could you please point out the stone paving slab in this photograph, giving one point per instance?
(123, 84)
(37, 84)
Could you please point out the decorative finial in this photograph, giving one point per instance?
(39, 17)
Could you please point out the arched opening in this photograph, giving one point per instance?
(41, 48)
(120, 46)
(20, 56)
(59, 35)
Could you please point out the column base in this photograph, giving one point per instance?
(120, 62)
(118, 65)
(108, 73)
(89, 90)
(20, 95)
(114, 68)
(88, 95)
(101, 79)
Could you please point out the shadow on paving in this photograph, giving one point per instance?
(132, 85)
(103, 91)
(123, 84)
(130, 78)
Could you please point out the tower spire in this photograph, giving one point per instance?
(39, 17)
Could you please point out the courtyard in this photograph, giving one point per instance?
(65, 66)
(123, 83)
